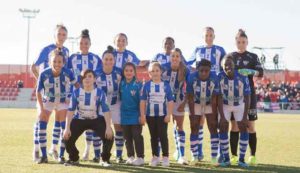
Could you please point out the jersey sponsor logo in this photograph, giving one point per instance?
(78, 61)
(156, 98)
(49, 85)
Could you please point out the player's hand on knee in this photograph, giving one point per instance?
(223, 124)
(167, 119)
(142, 120)
(67, 134)
(109, 133)
(181, 108)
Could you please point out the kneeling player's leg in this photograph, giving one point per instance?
(234, 136)
(99, 128)
(88, 143)
(119, 142)
(194, 140)
(77, 127)
(212, 123)
(252, 132)
(56, 133)
(62, 120)
(244, 135)
(179, 135)
(42, 131)
(223, 127)
(97, 142)
(200, 137)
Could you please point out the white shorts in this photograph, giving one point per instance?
(115, 113)
(175, 107)
(238, 112)
(202, 110)
(50, 106)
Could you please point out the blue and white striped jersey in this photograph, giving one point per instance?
(55, 89)
(43, 60)
(88, 105)
(163, 58)
(109, 83)
(78, 63)
(127, 56)
(171, 77)
(156, 97)
(214, 54)
(202, 90)
(233, 91)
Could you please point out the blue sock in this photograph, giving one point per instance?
(97, 145)
(43, 137)
(244, 138)
(224, 144)
(119, 140)
(214, 145)
(62, 143)
(176, 137)
(56, 133)
(36, 137)
(181, 137)
(89, 136)
(194, 142)
(200, 138)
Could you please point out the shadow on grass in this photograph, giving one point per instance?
(203, 167)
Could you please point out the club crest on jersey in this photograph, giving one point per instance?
(132, 92)
(245, 62)
(129, 59)
(225, 87)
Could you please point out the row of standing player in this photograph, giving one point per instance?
(211, 52)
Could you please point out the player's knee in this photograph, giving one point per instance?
(242, 127)
(234, 126)
(224, 127)
(194, 128)
(251, 129)
(212, 126)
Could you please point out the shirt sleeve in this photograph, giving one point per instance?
(192, 59)
(99, 64)
(42, 57)
(155, 57)
(104, 104)
(73, 102)
(40, 83)
(72, 77)
(247, 90)
(143, 94)
(216, 89)
(189, 85)
(258, 66)
(134, 59)
(169, 93)
(69, 63)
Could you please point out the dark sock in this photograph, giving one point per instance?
(234, 140)
(252, 143)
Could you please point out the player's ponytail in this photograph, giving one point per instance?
(241, 33)
(109, 49)
(57, 52)
(85, 34)
(61, 26)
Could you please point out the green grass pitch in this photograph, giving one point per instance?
(278, 147)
